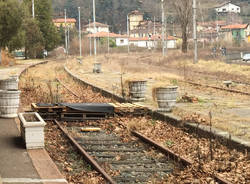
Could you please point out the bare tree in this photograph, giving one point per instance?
(184, 14)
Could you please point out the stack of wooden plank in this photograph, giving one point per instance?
(129, 108)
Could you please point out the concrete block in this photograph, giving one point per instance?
(32, 130)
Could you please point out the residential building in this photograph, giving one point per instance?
(138, 27)
(146, 29)
(236, 32)
(227, 7)
(135, 17)
(212, 25)
(71, 22)
(146, 42)
(120, 40)
(152, 42)
(100, 27)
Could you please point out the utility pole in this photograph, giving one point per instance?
(128, 33)
(90, 45)
(94, 29)
(108, 40)
(65, 28)
(195, 32)
(217, 27)
(163, 28)
(80, 35)
(68, 40)
(154, 32)
(33, 9)
(202, 33)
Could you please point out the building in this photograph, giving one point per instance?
(209, 26)
(146, 29)
(135, 17)
(227, 7)
(100, 27)
(236, 32)
(153, 42)
(71, 22)
(120, 40)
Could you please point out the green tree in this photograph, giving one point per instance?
(43, 15)
(34, 42)
(43, 11)
(10, 21)
(17, 41)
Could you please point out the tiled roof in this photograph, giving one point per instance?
(69, 20)
(235, 26)
(106, 34)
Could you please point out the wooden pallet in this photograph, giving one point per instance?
(134, 108)
(82, 116)
(67, 114)
(51, 109)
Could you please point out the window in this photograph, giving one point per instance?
(232, 8)
(224, 9)
(122, 41)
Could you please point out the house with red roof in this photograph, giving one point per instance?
(236, 32)
(153, 41)
(145, 42)
(120, 40)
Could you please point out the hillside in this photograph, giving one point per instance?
(114, 12)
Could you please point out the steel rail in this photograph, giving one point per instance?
(215, 87)
(163, 149)
(184, 161)
(86, 156)
(67, 88)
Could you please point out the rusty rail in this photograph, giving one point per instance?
(163, 149)
(86, 156)
(219, 88)
(174, 156)
(66, 87)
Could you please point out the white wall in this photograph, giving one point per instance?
(171, 44)
(231, 8)
(98, 29)
(121, 41)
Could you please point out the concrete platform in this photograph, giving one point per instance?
(17, 165)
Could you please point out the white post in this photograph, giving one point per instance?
(94, 29)
(163, 28)
(65, 28)
(195, 32)
(80, 35)
(128, 33)
(33, 9)
(90, 45)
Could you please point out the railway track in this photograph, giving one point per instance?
(127, 162)
(85, 146)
